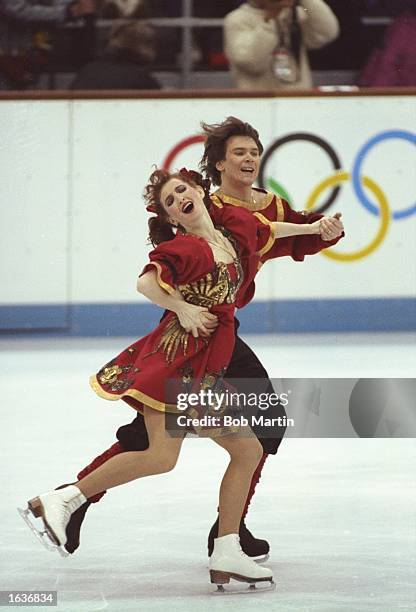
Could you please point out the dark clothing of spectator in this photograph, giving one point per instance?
(19, 20)
(130, 50)
(24, 44)
(394, 64)
(109, 73)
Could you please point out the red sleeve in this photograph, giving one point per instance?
(253, 232)
(297, 247)
(177, 261)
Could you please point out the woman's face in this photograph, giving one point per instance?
(183, 203)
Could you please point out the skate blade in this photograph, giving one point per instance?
(238, 589)
(43, 537)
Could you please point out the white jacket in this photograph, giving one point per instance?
(249, 43)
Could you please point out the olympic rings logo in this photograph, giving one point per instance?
(356, 176)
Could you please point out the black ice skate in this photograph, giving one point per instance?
(228, 562)
(257, 549)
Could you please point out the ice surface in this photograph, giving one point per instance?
(339, 514)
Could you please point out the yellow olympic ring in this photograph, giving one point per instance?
(385, 215)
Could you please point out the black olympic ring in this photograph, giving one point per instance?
(315, 140)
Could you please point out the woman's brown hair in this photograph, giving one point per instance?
(160, 229)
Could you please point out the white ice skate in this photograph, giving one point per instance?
(228, 561)
(54, 509)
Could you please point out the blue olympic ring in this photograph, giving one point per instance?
(356, 171)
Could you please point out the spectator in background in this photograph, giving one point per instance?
(394, 64)
(266, 41)
(209, 40)
(131, 47)
(19, 39)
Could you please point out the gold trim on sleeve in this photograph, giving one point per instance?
(268, 244)
(271, 240)
(161, 282)
(280, 215)
(261, 218)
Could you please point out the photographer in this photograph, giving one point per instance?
(266, 41)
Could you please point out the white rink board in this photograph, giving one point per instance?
(89, 162)
(34, 199)
(347, 124)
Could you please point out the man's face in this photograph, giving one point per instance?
(242, 160)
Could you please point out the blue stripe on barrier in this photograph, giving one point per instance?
(30, 317)
(279, 316)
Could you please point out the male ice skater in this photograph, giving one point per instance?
(231, 160)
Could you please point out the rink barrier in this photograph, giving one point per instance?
(201, 93)
(277, 316)
(285, 316)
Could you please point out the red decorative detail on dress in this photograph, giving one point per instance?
(254, 481)
(114, 450)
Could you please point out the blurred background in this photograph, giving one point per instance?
(75, 164)
(187, 42)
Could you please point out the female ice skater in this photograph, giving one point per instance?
(231, 160)
(211, 261)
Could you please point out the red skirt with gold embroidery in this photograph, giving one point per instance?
(154, 369)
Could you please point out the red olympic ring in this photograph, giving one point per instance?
(182, 144)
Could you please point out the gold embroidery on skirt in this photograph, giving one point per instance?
(172, 338)
(109, 375)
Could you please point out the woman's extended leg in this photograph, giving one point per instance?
(160, 457)
(56, 507)
(245, 453)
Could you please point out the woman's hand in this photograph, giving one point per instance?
(196, 320)
(331, 227)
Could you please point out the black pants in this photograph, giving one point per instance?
(248, 376)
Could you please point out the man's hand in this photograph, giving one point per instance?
(81, 8)
(273, 8)
(331, 227)
(196, 320)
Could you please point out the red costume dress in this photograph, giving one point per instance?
(274, 208)
(142, 373)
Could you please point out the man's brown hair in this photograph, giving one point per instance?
(217, 135)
